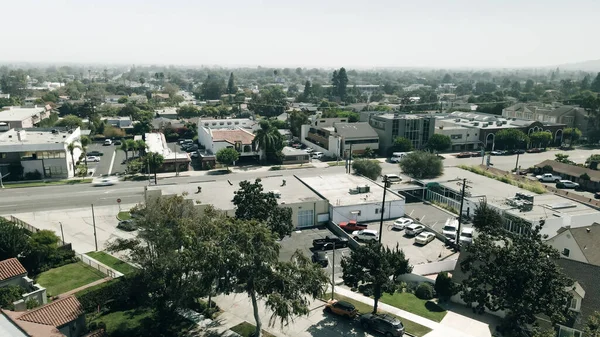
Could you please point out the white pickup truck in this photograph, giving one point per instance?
(549, 178)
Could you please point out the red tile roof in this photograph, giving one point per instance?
(56, 314)
(11, 268)
(231, 136)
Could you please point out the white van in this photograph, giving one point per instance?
(317, 155)
(108, 142)
(397, 156)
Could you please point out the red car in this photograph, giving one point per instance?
(352, 226)
(464, 155)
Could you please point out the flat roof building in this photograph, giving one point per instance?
(417, 128)
(18, 117)
(156, 142)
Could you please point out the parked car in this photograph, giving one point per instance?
(401, 223)
(329, 241)
(466, 236)
(341, 308)
(535, 150)
(192, 148)
(95, 153)
(566, 184)
(107, 142)
(320, 258)
(92, 159)
(127, 225)
(393, 178)
(414, 229)
(352, 226)
(117, 142)
(366, 235)
(424, 238)
(497, 153)
(464, 155)
(476, 154)
(517, 151)
(317, 155)
(548, 178)
(597, 195)
(385, 324)
(450, 228)
(309, 150)
(105, 181)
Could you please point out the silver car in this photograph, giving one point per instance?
(414, 229)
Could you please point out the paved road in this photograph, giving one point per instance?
(72, 196)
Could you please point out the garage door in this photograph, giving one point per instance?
(306, 218)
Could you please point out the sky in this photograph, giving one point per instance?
(306, 33)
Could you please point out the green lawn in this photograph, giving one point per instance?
(124, 215)
(411, 303)
(246, 329)
(142, 322)
(47, 183)
(113, 262)
(410, 326)
(68, 277)
(335, 163)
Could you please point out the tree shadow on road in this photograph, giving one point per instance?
(332, 325)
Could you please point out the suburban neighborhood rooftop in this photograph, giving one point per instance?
(34, 136)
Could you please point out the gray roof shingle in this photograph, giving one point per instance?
(355, 130)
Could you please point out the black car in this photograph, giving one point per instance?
(385, 324)
(95, 153)
(320, 258)
(517, 151)
(329, 241)
(597, 195)
(117, 142)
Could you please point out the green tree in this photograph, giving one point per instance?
(529, 86)
(402, 144)
(212, 88)
(140, 146)
(51, 96)
(70, 122)
(231, 88)
(269, 141)
(595, 86)
(270, 102)
(71, 148)
(368, 153)
(447, 79)
(227, 156)
(376, 267)
(585, 83)
(125, 148)
(154, 161)
(342, 79)
(422, 165)
(307, 94)
(297, 119)
(563, 158)
(85, 143)
(516, 273)
(252, 203)
(592, 325)
(572, 134)
(123, 100)
(438, 143)
(188, 111)
(487, 219)
(540, 139)
(368, 168)
(511, 139)
(13, 241)
(14, 83)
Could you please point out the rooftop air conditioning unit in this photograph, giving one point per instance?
(504, 122)
(457, 120)
(476, 123)
(354, 191)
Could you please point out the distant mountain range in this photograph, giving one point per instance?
(592, 65)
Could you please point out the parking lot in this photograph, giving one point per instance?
(104, 166)
(302, 240)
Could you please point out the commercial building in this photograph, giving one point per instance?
(520, 208)
(232, 123)
(470, 130)
(574, 173)
(355, 198)
(569, 115)
(173, 160)
(308, 208)
(25, 151)
(18, 117)
(389, 126)
(294, 156)
(336, 138)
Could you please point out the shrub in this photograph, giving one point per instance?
(444, 287)
(424, 291)
(547, 169)
(122, 293)
(584, 176)
(35, 175)
(366, 289)
(411, 287)
(275, 168)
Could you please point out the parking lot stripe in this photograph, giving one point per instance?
(112, 162)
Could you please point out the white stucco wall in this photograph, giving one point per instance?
(205, 139)
(565, 240)
(368, 212)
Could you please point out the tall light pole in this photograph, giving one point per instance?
(385, 184)
(333, 272)
(94, 222)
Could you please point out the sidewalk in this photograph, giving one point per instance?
(71, 292)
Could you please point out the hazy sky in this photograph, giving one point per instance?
(306, 33)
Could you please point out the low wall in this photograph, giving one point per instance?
(434, 267)
(104, 269)
(335, 229)
(38, 295)
(458, 299)
(415, 278)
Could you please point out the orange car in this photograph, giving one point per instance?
(341, 308)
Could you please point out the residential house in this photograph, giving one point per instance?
(18, 117)
(389, 126)
(240, 139)
(39, 149)
(62, 318)
(123, 122)
(112, 99)
(295, 156)
(308, 208)
(485, 126)
(579, 244)
(173, 160)
(570, 116)
(160, 123)
(6, 96)
(12, 273)
(160, 97)
(167, 112)
(574, 173)
(137, 98)
(338, 139)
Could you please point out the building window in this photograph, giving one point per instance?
(568, 332)
(456, 136)
(376, 210)
(573, 305)
(2, 155)
(566, 252)
(306, 218)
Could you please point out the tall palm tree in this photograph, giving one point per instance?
(140, 145)
(153, 161)
(130, 145)
(125, 148)
(264, 138)
(71, 147)
(85, 142)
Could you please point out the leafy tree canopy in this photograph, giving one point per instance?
(422, 165)
(438, 143)
(227, 156)
(511, 139)
(368, 168)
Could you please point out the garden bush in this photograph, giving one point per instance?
(424, 291)
(444, 287)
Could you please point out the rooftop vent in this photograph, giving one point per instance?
(476, 123)
(21, 135)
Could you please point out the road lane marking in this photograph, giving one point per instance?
(112, 162)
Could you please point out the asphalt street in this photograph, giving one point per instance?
(73, 196)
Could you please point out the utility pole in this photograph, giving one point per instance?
(517, 164)
(385, 184)
(462, 201)
(2, 177)
(175, 151)
(94, 222)
(62, 233)
(333, 272)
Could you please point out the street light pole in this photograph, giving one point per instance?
(94, 222)
(385, 183)
(517, 163)
(62, 233)
(462, 201)
(333, 273)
